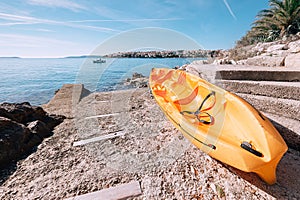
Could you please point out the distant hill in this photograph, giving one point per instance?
(10, 57)
(83, 56)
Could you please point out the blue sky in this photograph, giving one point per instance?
(58, 28)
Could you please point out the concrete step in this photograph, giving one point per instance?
(65, 99)
(258, 75)
(288, 128)
(283, 107)
(243, 72)
(284, 90)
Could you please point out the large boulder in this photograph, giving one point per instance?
(293, 61)
(24, 113)
(137, 81)
(270, 54)
(275, 47)
(22, 127)
(294, 47)
(264, 60)
(136, 75)
(13, 139)
(39, 128)
(19, 112)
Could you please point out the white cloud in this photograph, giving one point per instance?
(27, 20)
(229, 9)
(14, 23)
(12, 8)
(126, 20)
(67, 4)
(18, 20)
(44, 30)
(36, 29)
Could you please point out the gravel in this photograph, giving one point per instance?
(152, 152)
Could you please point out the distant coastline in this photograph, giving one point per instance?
(10, 57)
(163, 54)
(83, 56)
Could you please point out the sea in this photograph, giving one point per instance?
(35, 80)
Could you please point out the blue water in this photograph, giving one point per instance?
(36, 80)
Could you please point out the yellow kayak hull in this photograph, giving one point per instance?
(218, 122)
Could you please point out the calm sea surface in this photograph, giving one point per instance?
(36, 80)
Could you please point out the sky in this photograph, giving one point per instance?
(59, 28)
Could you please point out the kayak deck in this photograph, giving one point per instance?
(218, 122)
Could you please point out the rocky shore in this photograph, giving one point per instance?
(151, 151)
(281, 53)
(136, 81)
(22, 128)
(77, 157)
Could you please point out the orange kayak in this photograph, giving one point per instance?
(218, 122)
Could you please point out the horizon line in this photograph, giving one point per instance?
(87, 55)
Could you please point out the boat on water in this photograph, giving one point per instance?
(218, 122)
(99, 60)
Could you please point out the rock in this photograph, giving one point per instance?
(275, 47)
(259, 48)
(286, 47)
(52, 120)
(263, 60)
(233, 62)
(202, 62)
(219, 61)
(263, 47)
(19, 112)
(39, 128)
(183, 67)
(216, 53)
(267, 54)
(224, 61)
(192, 70)
(15, 138)
(294, 47)
(274, 54)
(277, 53)
(24, 113)
(137, 75)
(293, 61)
(241, 62)
(137, 80)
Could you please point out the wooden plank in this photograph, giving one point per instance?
(99, 116)
(131, 189)
(99, 138)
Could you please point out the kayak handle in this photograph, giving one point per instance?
(247, 146)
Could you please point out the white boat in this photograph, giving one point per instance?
(99, 60)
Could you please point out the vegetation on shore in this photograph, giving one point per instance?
(281, 20)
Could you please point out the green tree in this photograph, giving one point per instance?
(282, 18)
